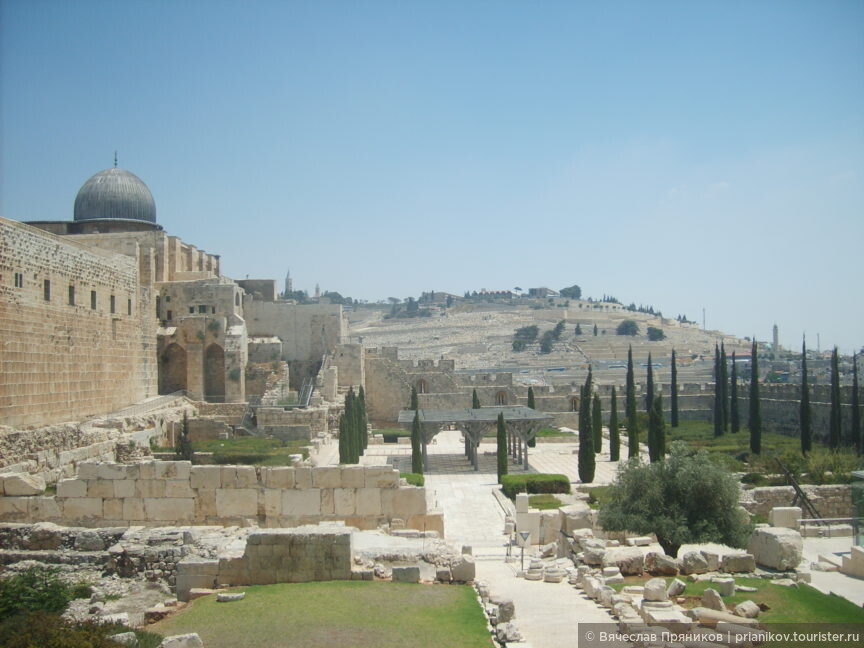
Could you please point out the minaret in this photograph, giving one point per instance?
(289, 285)
(317, 291)
(776, 339)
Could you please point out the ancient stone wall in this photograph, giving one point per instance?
(349, 360)
(278, 421)
(831, 501)
(77, 326)
(307, 331)
(162, 493)
(265, 349)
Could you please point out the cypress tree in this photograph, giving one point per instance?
(414, 404)
(351, 426)
(856, 408)
(754, 420)
(358, 426)
(184, 450)
(718, 396)
(834, 423)
(475, 400)
(502, 447)
(660, 432)
(597, 423)
(805, 414)
(656, 431)
(532, 442)
(595, 329)
(614, 440)
(416, 442)
(344, 451)
(578, 330)
(586, 437)
(724, 387)
(734, 414)
(674, 391)
(630, 407)
(649, 396)
(364, 419)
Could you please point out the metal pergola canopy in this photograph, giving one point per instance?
(481, 415)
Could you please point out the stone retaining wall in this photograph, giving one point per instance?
(831, 501)
(161, 493)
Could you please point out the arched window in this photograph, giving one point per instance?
(501, 398)
(421, 386)
(574, 404)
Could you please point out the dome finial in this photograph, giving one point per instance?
(115, 159)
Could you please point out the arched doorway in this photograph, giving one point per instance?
(574, 404)
(501, 398)
(172, 369)
(214, 374)
(421, 387)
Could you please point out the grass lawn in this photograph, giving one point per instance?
(337, 614)
(544, 501)
(249, 451)
(785, 604)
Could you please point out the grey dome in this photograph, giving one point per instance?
(115, 194)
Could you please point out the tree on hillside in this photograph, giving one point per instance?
(475, 400)
(571, 292)
(586, 461)
(734, 413)
(856, 409)
(674, 394)
(502, 447)
(718, 394)
(595, 330)
(546, 341)
(416, 446)
(655, 334)
(614, 439)
(630, 409)
(597, 423)
(649, 386)
(805, 415)
(578, 330)
(834, 422)
(754, 420)
(627, 327)
(724, 387)
(688, 498)
(656, 430)
(558, 330)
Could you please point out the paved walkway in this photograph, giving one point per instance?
(546, 614)
(833, 582)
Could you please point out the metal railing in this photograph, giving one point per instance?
(306, 392)
(827, 523)
(251, 407)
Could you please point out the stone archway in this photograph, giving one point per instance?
(421, 386)
(501, 398)
(214, 374)
(574, 404)
(172, 369)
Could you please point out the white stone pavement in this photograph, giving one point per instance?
(547, 614)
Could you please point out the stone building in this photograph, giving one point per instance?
(108, 309)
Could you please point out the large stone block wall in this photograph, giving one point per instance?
(307, 331)
(831, 501)
(349, 360)
(161, 493)
(64, 362)
(270, 419)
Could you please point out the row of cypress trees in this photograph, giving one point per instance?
(417, 436)
(835, 425)
(353, 427)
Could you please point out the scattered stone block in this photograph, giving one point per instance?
(198, 592)
(191, 640)
(667, 617)
(776, 547)
(655, 590)
(554, 575)
(710, 617)
(406, 574)
(785, 516)
(747, 609)
(506, 608)
(577, 516)
(629, 560)
(125, 639)
(156, 613)
(522, 502)
(640, 541)
(693, 562)
(712, 558)
(711, 599)
(724, 586)
(532, 574)
(23, 484)
(737, 563)
(464, 570)
(676, 588)
(658, 564)
(442, 575)
(229, 597)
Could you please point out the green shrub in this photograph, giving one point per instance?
(34, 589)
(598, 495)
(51, 631)
(81, 590)
(413, 479)
(754, 479)
(544, 502)
(534, 483)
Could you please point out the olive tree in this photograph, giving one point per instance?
(685, 499)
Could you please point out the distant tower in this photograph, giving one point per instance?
(776, 339)
(317, 291)
(289, 285)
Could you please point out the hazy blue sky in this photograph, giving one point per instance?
(682, 154)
